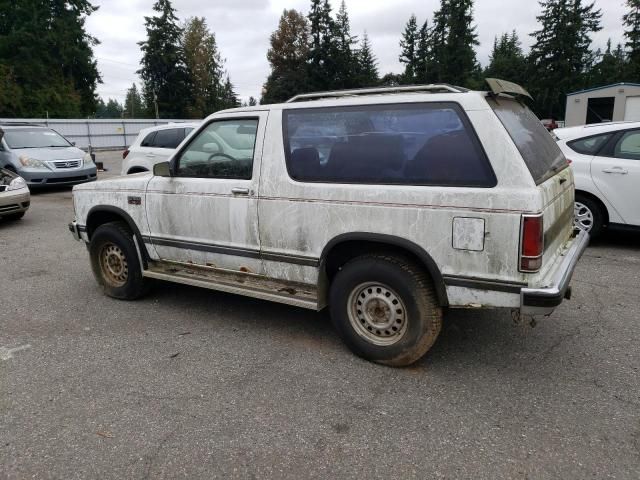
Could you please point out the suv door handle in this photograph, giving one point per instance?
(240, 191)
(619, 170)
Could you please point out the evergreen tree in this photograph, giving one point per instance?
(461, 65)
(228, 98)
(204, 68)
(322, 68)
(423, 54)
(46, 58)
(610, 68)
(163, 64)
(561, 53)
(507, 60)
(409, 49)
(345, 58)
(133, 104)
(252, 102)
(367, 64)
(436, 63)
(288, 58)
(111, 109)
(631, 20)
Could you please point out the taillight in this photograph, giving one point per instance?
(569, 161)
(125, 153)
(531, 243)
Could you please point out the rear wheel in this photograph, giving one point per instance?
(115, 263)
(385, 309)
(588, 215)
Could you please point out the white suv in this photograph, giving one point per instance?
(606, 163)
(387, 206)
(154, 145)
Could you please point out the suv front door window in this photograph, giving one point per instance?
(207, 213)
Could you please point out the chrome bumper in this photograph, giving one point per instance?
(75, 231)
(543, 301)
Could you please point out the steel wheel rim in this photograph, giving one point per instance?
(583, 217)
(377, 313)
(114, 265)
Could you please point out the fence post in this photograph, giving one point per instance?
(89, 134)
(124, 134)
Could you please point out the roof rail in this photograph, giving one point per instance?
(20, 124)
(434, 88)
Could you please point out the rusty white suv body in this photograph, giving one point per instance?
(387, 205)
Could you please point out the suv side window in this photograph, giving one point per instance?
(589, 145)
(628, 146)
(224, 149)
(148, 140)
(397, 144)
(168, 138)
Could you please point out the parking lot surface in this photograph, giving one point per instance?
(191, 383)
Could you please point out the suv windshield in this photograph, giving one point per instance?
(34, 138)
(537, 147)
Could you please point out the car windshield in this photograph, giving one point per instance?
(34, 138)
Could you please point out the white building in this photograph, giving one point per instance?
(611, 103)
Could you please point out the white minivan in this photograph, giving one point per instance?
(389, 206)
(605, 159)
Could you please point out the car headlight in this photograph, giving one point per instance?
(32, 162)
(87, 160)
(17, 184)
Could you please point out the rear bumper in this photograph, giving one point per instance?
(543, 301)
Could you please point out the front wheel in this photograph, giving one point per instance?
(115, 263)
(385, 309)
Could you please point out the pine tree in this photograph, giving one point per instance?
(228, 99)
(322, 68)
(204, 66)
(561, 53)
(631, 20)
(48, 58)
(163, 64)
(409, 46)
(423, 54)
(134, 104)
(252, 102)
(111, 109)
(610, 67)
(288, 58)
(507, 60)
(367, 64)
(345, 57)
(461, 67)
(437, 58)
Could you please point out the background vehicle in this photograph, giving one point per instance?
(606, 163)
(43, 157)
(154, 145)
(14, 195)
(384, 205)
(549, 123)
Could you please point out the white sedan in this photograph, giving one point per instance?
(606, 163)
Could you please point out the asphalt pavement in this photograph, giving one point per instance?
(189, 383)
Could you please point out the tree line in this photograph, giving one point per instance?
(47, 65)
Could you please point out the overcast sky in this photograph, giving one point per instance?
(243, 27)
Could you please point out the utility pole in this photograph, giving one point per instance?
(155, 101)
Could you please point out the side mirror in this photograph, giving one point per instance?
(211, 148)
(162, 169)
(1, 134)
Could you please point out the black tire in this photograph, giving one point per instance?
(115, 263)
(14, 216)
(596, 212)
(375, 279)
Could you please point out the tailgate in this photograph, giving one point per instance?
(558, 194)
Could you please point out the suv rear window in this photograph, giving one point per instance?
(401, 144)
(536, 145)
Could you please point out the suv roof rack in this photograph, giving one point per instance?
(433, 88)
(20, 124)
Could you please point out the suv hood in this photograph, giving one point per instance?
(135, 181)
(49, 154)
